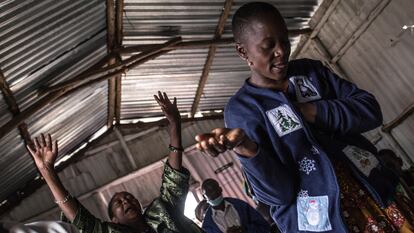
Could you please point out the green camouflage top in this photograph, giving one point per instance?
(164, 214)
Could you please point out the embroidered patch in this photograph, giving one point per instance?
(305, 91)
(283, 120)
(313, 214)
(307, 165)
(362, 159)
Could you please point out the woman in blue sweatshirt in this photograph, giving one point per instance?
(296, 127)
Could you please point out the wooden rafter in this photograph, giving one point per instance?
(113, 70)
(14, 108)
(118, 43)
(75, 84)
(211, 53)
(195, 44)
(110, 44)
(407, 112)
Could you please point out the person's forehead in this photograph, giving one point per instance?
(266, 24)
(121, 194)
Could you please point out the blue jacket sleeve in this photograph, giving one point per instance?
(350, 110)
(209, 226)
(271, 180)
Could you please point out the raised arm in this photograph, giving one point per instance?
(172, 114)
(44, 154)
(174, 187)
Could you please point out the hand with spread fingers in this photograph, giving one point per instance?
(172, 114)
(44, 152)
(222, 139)
(169, 109)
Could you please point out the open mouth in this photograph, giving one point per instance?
(129, 210)
(279, 67)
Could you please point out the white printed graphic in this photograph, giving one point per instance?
(283, 120)
(305, 91)
(362, 159)
(313, 214)
(307, 165)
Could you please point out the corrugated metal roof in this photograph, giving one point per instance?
(43, 43)
(176, 73)
(381, 60)
(39, 38)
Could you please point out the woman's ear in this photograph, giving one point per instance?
(241, 51)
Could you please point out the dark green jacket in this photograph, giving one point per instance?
(164, 214)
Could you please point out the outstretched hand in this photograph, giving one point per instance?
(222, 139)
(44, 152)
(169, 109)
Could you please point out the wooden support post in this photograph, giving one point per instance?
(110, 44)
(211, 53)
(14, 108)
(125, 148)
(118, 44)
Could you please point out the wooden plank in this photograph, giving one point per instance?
(211, 53)
(123, 66)
(52, 96)
(196, 44)
(14, 108)
(118, 43)
(110, 44)
(408, 111)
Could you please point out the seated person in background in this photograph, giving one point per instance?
(395, 163)
(164, 214)
(200, 210)
(229, 215)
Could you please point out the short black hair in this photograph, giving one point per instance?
(209, 182)
(247, 12)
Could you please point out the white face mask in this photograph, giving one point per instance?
(216, 202)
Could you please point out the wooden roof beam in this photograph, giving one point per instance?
(110, 44)
(14, 108)
(195, 44)
(211, 53)
(118, 43)
(76, 84)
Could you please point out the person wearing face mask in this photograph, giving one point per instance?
(229, 215)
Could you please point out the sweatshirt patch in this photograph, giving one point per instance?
(305, 90)
(284, 120)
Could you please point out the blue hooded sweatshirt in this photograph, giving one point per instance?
(292, 170)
